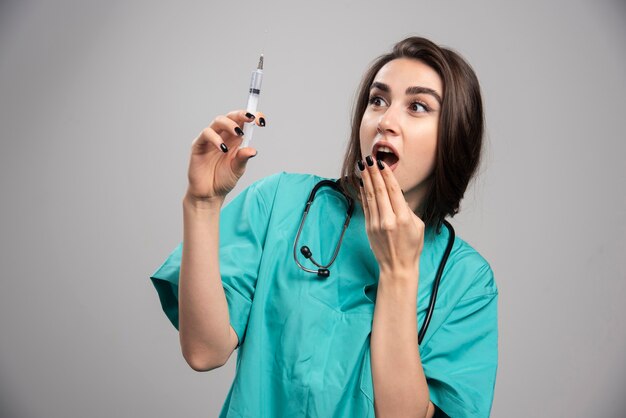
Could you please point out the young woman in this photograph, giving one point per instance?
(324, 304)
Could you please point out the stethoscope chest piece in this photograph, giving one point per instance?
(322, 273)
(322, 269)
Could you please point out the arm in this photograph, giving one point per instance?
(399, 382)
(204, 324)
(396, 237)
(206, 337)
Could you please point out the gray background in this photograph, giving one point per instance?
(99, 104)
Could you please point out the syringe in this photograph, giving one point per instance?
(253, 100)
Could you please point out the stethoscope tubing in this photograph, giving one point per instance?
(323, 271)
(433, 294)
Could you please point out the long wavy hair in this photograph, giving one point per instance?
(460, 131)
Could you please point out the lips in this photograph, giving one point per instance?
(386, 152)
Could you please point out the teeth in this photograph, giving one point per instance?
(385, 149)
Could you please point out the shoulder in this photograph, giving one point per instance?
(280, 189)
(284, 179)
(472, 269)
(285, 183)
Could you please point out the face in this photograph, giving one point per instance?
(403, 116)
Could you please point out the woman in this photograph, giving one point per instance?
(344, 342)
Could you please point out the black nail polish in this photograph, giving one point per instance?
(361, 181)
(262, 121)
(380, 164)
(369, 160)
(361, 165)
(223, 147)
(250, 115)
(238, 131)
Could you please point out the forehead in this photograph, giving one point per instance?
(401, 73)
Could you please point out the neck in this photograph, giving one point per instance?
(416, 197)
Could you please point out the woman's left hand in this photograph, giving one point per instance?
(396, 234)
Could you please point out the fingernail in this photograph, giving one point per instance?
(223, 147)
(250, 115)
(262, 121)
(254, 155)
(361, 182)
(238, 131)
(380, 164)
(361, 165)
(369, 160)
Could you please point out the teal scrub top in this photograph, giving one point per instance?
(304, 343)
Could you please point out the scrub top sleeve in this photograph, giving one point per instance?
(461, 359)
(165, 281)
(243, 228)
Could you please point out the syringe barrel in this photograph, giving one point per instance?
(255, 81)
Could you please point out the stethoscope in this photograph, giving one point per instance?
(323, 271)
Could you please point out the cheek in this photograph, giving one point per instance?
(424, 148)
(428, 135)
(430, 149)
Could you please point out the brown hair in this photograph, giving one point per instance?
(460, 132)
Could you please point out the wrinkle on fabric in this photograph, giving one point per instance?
(304, 343)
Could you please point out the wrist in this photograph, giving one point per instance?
(209, 203)
(406, 279)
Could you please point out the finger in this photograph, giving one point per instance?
(418, 221)
(209, 136)
(370, 196)
(240, 117)
(242, 156)
(394, 192)
(260, 119)
(224, 125)
(385, 210)
(420, 226)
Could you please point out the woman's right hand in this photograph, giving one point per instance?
(216, 162)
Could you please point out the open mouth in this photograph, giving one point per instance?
(387, 155)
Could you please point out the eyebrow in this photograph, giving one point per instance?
(410, 90)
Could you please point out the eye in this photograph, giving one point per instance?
(376, 101)
(419, 107)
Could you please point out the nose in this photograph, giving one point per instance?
(388, 122)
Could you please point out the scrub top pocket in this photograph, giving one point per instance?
(345, 295)
(340, 348)
(352, 285)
